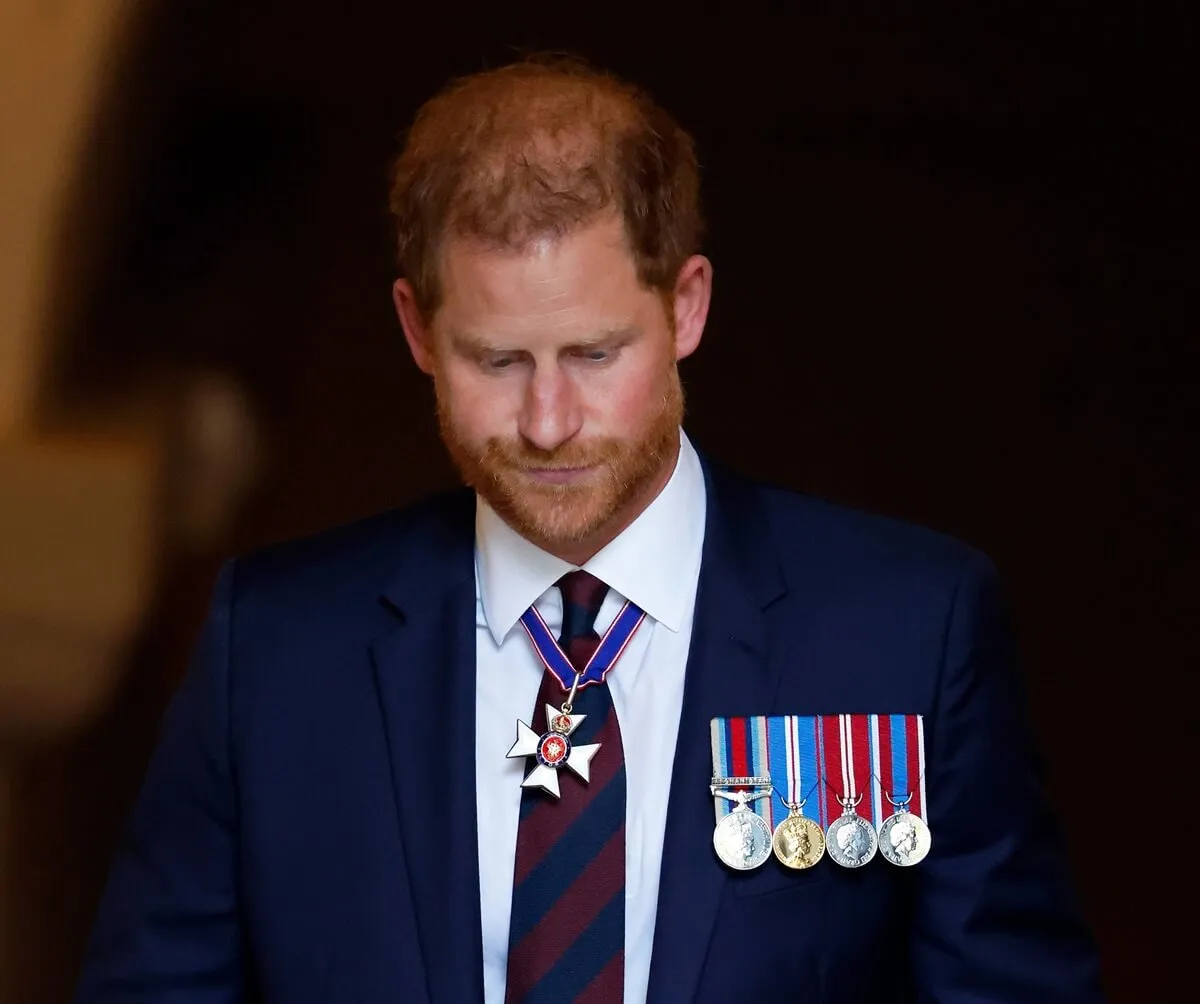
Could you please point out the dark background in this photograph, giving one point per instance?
(952, 254)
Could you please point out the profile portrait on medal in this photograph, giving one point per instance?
(904, 838)
(854, 842)
(737, 840)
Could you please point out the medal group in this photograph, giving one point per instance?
(849, 786)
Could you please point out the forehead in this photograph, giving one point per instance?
(587, 272)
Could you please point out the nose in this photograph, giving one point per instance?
(551, 413)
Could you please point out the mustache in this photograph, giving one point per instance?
(525, 456)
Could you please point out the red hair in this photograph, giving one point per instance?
(540, 148)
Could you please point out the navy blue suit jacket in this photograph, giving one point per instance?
(306, 832)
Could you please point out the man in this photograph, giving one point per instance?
(461, 752)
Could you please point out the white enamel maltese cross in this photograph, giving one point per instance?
(552, 750)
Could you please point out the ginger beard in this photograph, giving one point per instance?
(552, 515)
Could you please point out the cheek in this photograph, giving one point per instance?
(633, 399)
(480, 409)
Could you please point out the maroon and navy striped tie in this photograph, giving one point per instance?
(567, 935)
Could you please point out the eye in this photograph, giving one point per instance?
(498, 362)
(596, 355)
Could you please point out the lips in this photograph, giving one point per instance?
(558, 475)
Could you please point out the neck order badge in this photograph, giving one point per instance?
(553, 749)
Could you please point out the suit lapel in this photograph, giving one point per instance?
(425, 674)
(728, 674)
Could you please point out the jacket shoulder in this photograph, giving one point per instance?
(359, 557)
(809, 533)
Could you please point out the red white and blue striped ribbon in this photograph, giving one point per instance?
(819, 757)
(847, 759)
(898, 746)
(782, 747)
(614, 642)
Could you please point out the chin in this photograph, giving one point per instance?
(555, 526)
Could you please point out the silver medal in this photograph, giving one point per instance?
(742, 838)
(904, 838)
(850, 840)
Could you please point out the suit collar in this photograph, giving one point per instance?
(739, 537)
(434, 553)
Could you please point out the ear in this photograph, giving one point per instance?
(693, 291)
(416, 331)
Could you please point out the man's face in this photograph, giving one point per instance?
(557, 389)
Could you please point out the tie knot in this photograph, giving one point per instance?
(583, 594)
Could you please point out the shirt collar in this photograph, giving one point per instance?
(645, 563)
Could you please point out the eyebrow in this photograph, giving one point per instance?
(481, 344)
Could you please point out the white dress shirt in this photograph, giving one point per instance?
(655, 563)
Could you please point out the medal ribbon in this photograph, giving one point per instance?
(782, 747)
(614, 642)
(792, 744)
(736, 752)
(848, 758)
(899, 763)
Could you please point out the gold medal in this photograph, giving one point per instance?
(798, 841)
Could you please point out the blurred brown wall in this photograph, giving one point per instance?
(75, 514)
(52, 67)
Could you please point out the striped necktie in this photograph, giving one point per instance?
(567, 933)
